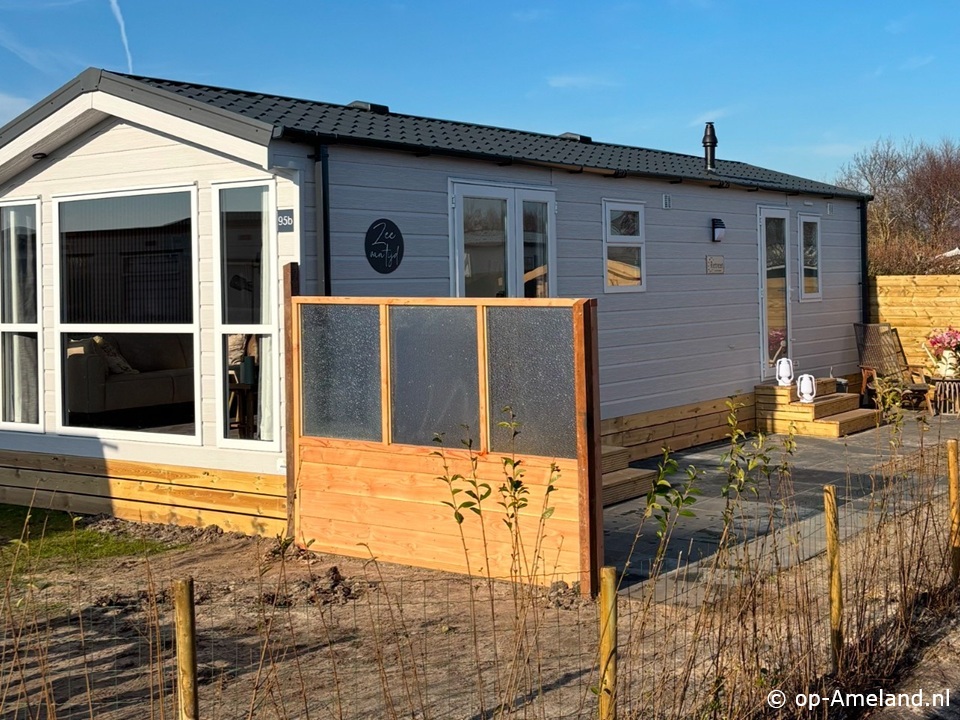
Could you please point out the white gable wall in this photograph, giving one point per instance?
(689, 337)
(121, 156)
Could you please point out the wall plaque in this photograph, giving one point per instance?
(284, 220)
(383, 246)
(714, 264)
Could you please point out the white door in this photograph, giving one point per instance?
(774, 288)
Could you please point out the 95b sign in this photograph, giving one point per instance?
(284, 220)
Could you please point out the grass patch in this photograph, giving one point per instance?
(37, 539)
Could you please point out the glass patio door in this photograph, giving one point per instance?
(503, 241)
(774, 289)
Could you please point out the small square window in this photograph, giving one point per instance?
(624, 247)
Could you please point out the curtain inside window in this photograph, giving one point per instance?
(18, 265)
(21, 397)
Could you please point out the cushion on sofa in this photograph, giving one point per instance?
(150, 352)
(116, 363)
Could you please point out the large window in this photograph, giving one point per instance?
(810, 282)
(504, 241)
(127, 322)
(247, 317)
(624, 267)
(19, 317)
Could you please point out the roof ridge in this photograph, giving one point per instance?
(412, 116)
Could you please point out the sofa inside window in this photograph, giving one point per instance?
(129, 381)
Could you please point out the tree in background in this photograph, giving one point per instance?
(915, 214)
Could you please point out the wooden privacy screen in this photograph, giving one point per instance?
(915, 305)
(373, 382)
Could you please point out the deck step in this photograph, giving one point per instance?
(833, 426)
(821, 407)
(852, 421)
(613, 457)
(783, 394)
(626, 484)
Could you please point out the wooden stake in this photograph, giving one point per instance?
(608, 643)
(954, 475)
(833, 564)
(186, 649)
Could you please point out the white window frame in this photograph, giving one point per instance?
(782, 213)
(270, 302)
(59, 327)
(515, 195)
(802, 219)
(34, 327)
(638, 241)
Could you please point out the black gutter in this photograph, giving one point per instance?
(325, 215)
(311, 137)
(864, 280)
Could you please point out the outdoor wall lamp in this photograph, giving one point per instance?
(719, 229)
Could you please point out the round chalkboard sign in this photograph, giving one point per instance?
(384, 246)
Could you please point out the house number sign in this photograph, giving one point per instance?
(284, 220)
(714, 264)
(383, 246)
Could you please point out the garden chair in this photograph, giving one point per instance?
(882, 359)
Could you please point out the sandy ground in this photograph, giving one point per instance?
(937, 670)
(290, 634)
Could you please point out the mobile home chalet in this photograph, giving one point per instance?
(146, 225)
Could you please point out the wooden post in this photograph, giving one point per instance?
(291, 356)
(608, 643)
(186, 650)
(954, 475)
(833, 566)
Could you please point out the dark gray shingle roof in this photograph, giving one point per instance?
(318, 122)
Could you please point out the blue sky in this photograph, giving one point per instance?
(796, 87)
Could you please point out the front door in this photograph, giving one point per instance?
(774, 288)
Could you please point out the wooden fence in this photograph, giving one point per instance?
(915, 305)
(375, 379)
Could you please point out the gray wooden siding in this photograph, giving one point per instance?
(120, 156)
(689, 337)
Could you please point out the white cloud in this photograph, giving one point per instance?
(33, 57)
(115, 7)
(710, 116)
(36, 4)
(526, 16)
(11, 106)
(895, 27)
(579, 82)
(836, 149)
(917, 62)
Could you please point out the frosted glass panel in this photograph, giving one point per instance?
(340, 355)
(530, 357)
(433, 375)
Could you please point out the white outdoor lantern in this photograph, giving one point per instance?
(807, 388)
(784, 372)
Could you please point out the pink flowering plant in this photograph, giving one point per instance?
(943, 340)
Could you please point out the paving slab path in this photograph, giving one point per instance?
(854, 464)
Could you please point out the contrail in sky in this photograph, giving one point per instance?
(115, 6)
